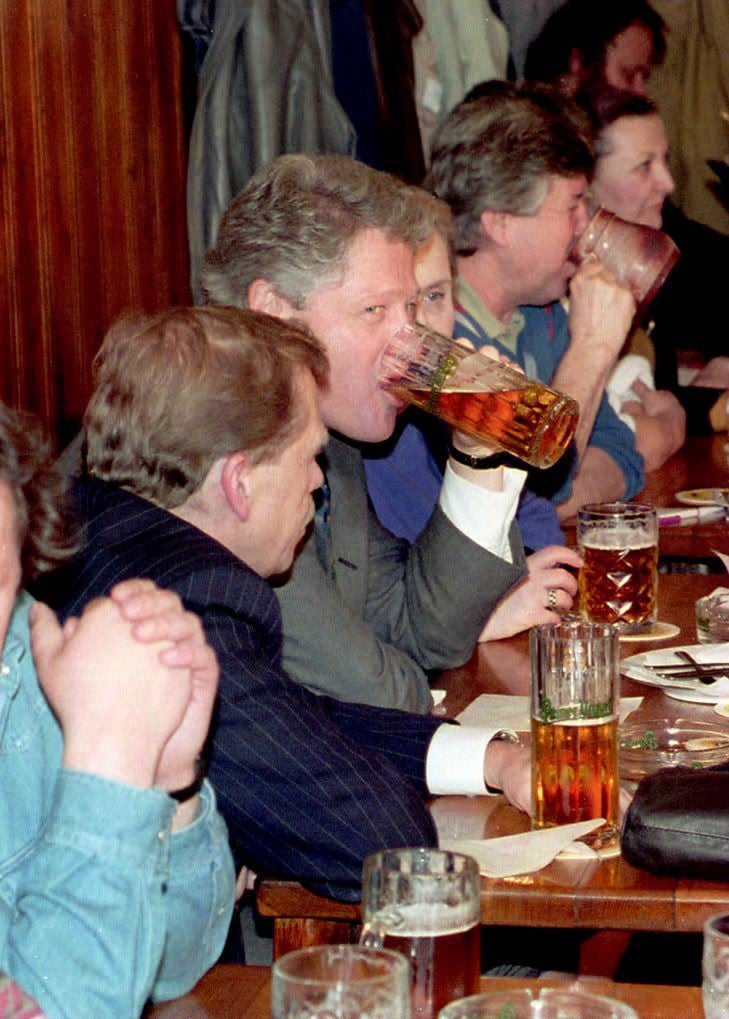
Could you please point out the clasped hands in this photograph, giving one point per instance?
(132, 682)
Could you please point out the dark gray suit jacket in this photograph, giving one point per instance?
(393, 610)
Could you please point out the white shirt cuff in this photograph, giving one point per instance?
(455, 759)
(482, 515)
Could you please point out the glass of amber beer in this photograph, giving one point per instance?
(575, 697)
(479, 395)
(426, 904)
(618, 542)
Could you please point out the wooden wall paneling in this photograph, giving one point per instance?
(92, 188)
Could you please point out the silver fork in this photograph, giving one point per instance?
(702, 674)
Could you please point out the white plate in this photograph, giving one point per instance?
(704, 497)
(638, 668)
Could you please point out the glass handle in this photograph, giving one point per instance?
(375, 928)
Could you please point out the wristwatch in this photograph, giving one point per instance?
(187, 792)
(481, 463)
(502, 736)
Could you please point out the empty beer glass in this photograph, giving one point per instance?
(618, 542)
(640, 256)
(551, 1004)
(575, 696)
(479, 395)
(715, 966)
(426, 904)
(340, 982)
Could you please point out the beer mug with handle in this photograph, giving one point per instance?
(640, 256)
(340, 982)
(476, 394)
(715, 967)
(426, 904)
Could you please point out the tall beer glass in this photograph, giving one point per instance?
(426, 903)
(479, 395)
(619, 580)
(575, 696)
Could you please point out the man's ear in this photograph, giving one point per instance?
(235, 481)
(263, 296)
(495, 226)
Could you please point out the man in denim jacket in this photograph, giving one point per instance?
(111, 890)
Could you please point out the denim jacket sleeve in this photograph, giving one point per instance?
(110, 907)
(100, 905)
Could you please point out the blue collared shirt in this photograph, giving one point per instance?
(537, 339)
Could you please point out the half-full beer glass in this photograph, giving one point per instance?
(479, 395)
(575, 699)
(618, 542)
(426, 904)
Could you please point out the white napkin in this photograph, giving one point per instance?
(619, 386)
(508, 711)
(525, 853)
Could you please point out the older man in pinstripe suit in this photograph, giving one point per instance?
(202, 440)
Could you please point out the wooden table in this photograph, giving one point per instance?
(701, 463)
(228, 991)
(606, 894)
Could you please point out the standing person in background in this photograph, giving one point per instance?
(615, 42)
(524, 20)
(691, 88)
(585, 47)
(632, 179)
(116, 881)
(514, 171)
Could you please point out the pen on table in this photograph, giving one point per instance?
(692, 515)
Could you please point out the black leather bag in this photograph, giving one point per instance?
(678, 823)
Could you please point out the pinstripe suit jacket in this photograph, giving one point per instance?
(308, 785)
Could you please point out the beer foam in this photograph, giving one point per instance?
(432, 919)
(603, 720)
(627, 538)
(334, 1005)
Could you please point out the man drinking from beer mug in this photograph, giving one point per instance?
(514, 170)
